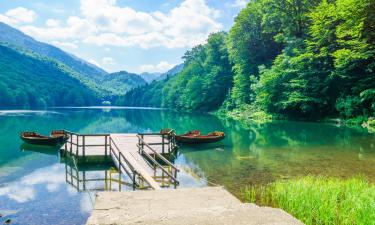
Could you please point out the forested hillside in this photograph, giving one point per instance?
(172, 72)
(121, 82)
(15, 37)
(287, 58)
(31, 81)
(201, 86)
(93, 83)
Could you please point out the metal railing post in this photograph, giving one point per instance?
(71, 144)
(83, 145)
(77, 145)
(105, 143)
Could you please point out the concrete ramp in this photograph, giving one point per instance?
(196, 206)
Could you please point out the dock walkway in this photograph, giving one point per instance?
(139, 156)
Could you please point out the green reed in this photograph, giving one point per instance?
(320, 200)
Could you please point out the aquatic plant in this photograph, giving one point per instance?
(319, 200)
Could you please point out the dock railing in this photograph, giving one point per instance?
(123, 162)
(157, 156)
(81, 181)
(76, 141)
(168, 139)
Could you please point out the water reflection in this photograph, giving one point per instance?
(38, 187)
(95, 177)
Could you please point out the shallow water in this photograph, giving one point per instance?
(38, 187)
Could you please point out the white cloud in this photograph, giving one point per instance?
(108, 61)
(76, 28)
(52, 23)
(64, 45)
(240, 3)
(93, 61)
(104, 23)
(23, 190)
(18, 15)
(161, 67)
(22, 15)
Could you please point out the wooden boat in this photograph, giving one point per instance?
(195, 137)
(56, 138)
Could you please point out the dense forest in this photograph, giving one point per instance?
(38, 75)
(121, 82)
(202, 85)
(31, 81)
(300, 59)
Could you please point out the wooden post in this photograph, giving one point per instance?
(105, 143)
(66, 147)
(162, 140)
(106, 181)
(84, 180)
(77, 174)
(139, 145)
(119, 160)
(143, 139)
(175, 176)
(77, 145)
(133, 181)
(83, 146)
(71, 144)
(110, 180)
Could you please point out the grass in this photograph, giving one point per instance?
(320, 200)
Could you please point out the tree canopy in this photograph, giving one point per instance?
(292, 58)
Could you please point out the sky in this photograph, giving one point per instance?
(132, 35)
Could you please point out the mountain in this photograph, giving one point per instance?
(15, 37)
(149, 77)
(121, 82)
(172, 72)
(28, 80)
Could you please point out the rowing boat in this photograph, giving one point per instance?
(56, 138)
(195, 137)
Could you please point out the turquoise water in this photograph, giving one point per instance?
(36, 187)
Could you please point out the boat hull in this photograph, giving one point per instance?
(39, 141)
(56, 138)
(198, 140)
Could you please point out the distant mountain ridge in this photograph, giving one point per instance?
(171, 73)
(122, 82)
(149, 77)
(15, 37)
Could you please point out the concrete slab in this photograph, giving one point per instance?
(193, 206)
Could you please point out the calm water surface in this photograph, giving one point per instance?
(35, 183)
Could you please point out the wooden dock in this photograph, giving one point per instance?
(140, 157)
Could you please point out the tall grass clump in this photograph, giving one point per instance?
(320, 200)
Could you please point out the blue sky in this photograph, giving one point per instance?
(132, 35)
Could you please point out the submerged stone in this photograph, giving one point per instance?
(8, 221)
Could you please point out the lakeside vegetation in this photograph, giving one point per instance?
(304, 60)
(319, 200)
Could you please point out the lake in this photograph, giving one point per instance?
(37, 186)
